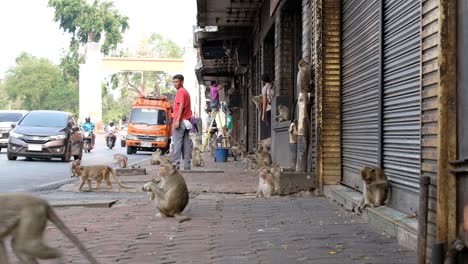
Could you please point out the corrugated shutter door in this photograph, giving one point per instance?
(401, 94)
(360, 87)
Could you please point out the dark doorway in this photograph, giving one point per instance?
(269, 68)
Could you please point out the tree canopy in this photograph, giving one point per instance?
(88, 23)
(35, 83)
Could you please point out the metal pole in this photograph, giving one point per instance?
(422, 220)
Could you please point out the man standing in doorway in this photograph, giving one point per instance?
(181, 127)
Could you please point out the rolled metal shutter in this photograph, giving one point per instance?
(401, 95)
(360, 86)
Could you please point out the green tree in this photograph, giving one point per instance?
(36, 83)
(88, 23)
(163, 48)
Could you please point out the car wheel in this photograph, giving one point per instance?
(67, 156)
(11, 157)
(130, 150)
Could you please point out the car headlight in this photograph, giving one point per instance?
(16, 135)
(57, 137)
(160, 139)
(132, 137)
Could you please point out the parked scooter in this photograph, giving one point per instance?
(87, 141)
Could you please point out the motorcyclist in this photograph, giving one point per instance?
(110, 129)
(89, 126)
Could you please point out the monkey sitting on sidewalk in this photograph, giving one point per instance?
(120, 159)
(24, 217)
(156, 157)
(376, 188)
(197, 160)
(171, 196)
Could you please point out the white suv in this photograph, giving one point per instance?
(7, 118)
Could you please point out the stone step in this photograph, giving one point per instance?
(394, 223)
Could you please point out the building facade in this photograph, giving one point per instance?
(389, 90)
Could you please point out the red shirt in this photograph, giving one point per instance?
(182, 98)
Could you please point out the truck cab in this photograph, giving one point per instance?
(149, 125)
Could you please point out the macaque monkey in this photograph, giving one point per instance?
(257, 100)
(239, 150)
(456, 247)
(73, 165)
(283, 114)
(266, 186)
(275, 170)
(265, 143)
(97, 173)
(304, 76)
(263, 157)
(243, 150)
(376, 188)
(173, 196)
(24, 217)
(293, 132)
(250, 162)
(197, 160)
(213, 146)
(156, 157)
(120, 159)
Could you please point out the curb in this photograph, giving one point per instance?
(58, 184)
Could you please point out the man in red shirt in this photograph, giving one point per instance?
(181, 125)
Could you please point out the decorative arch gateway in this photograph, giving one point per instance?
(97, 67)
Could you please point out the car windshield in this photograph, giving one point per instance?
(148, 116)
(45, 119)
(10, 117)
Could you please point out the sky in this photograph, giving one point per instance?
(27, 25)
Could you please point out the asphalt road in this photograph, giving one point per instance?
(23, 175)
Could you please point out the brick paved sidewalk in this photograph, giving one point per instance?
(225, 228)
(228, 229)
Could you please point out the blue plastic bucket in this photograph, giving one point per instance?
(221, 155)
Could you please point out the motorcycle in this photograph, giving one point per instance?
(110, 139)
(87, 141)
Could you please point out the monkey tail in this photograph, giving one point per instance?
(53, 217)
(111, 171)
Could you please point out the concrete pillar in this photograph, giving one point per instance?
(90, 79)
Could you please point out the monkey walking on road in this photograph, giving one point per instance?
(24, 217)
(97, 173)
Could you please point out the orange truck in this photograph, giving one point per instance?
(150, 124)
